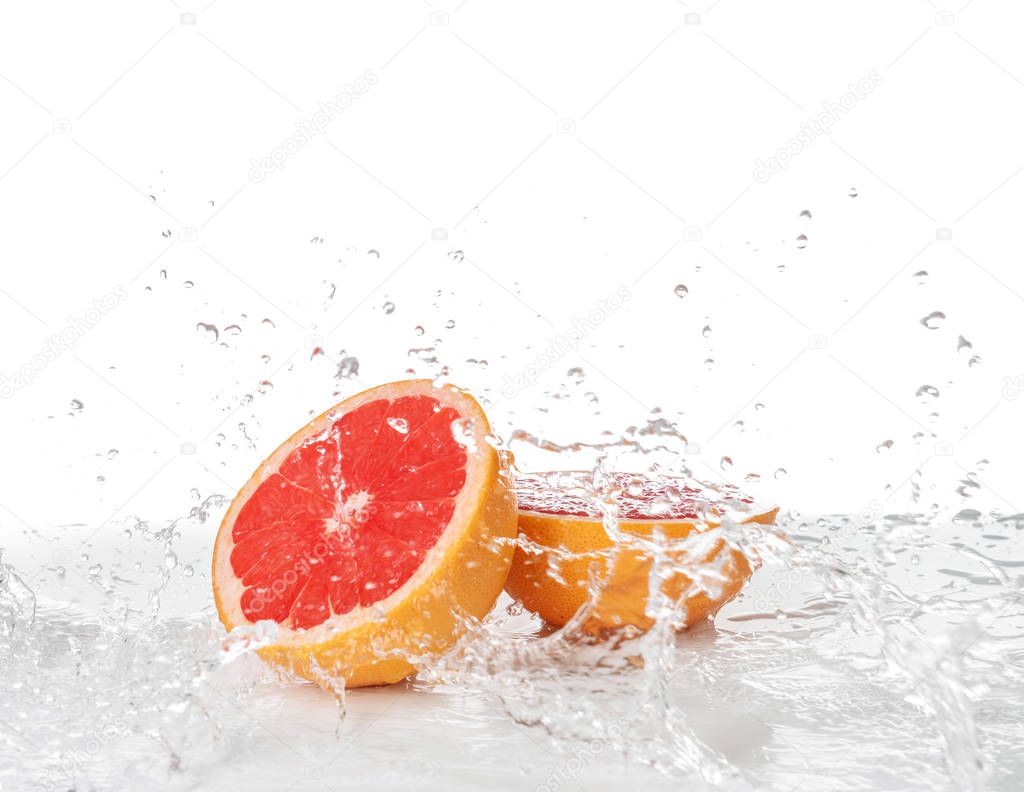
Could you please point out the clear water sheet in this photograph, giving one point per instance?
(864, 655)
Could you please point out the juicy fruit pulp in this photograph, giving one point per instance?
(572, 549)
(356, 525)
(369, 534)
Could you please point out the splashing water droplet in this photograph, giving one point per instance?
(269, 323)
(373, 252)
(188, 284)
(725, 463)
(462, 431)
(933, 320)
(265, 358)
(853, 192)
(232, 330)
(208, 331)
(77, 405)
(801, 241)
(974, 361)
(709, 363)
(575, 374)
(706, 332)
(927, 390)
(681, 290)
(265, 386)
(457, 256)
(389, 307)
(449, 324)
(752, 478)
(419, 330)
(806, 213)
(921, 277)
(348, 366)
(962, 344)
(781, 473)
(885, 445)
(400, 425)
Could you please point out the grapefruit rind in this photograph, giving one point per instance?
(581, 549)
(460, 577)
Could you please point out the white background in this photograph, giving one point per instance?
(565, 150)
(512, 166)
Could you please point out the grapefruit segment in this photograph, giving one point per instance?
(370, 534)
(570, 547)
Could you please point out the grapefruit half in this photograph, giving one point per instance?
(370, 535)
(570, 547)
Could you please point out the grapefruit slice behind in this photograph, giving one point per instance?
(369, 535)
(572, 547)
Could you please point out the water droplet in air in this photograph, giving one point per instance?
(933, 320)
(974, 361)
(781, 473)
(163, 274)
(374, 253)
(450, 324)
(928, 390)
(457, 256)
(389, 307)
(400, 425)
(265, 358)
(725, 463)
(921, 277)
(266, 386)
(709, 363)
(348, 366)
(806, 213)
(113, 452)
(268, 323)
(706, 332)
(419, 330)
(77, 405)
(752, 478)
(853, 192)
(801, 241)
(883, 446)
(576, 374)
(232, 330)
(188, 284)
(208, 331)
(681, 291)
(962, 344)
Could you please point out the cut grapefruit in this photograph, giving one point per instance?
(569, 547)
(370, 535)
